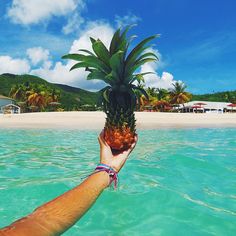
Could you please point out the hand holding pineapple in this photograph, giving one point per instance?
(115, 161)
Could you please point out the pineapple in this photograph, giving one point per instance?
(117, 67)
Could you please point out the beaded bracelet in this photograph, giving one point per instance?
(111, 172)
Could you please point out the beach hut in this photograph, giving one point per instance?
(205, 106)
(197, 108)
(10, 109)
(5, 101)
(232, 105)
(54, 105)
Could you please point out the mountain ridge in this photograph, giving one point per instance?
(71, 97)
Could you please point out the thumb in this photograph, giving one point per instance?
(101, 140)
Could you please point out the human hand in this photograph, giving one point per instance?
(115, 161)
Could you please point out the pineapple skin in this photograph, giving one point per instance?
(119, 130)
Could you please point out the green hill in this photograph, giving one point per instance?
(71, 98)
(228, 96)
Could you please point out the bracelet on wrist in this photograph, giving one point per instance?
(111, 172)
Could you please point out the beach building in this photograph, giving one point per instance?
(7, 105)
(207, 107)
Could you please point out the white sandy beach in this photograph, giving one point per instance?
(95, 120)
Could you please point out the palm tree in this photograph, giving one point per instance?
(37, 96)
(178, 95)
(163, 99)
(152, 91)
(229, 97)
(34, 96)
(162, 94)
(37, 99)
(17, 92)
(53, 95)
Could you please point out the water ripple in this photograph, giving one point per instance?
(176, 181)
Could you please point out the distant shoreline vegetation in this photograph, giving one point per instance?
(70, 98)
(33, 93)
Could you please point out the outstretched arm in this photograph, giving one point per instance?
(56, 216)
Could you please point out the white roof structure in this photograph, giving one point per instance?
(209, 105)
(11, 107)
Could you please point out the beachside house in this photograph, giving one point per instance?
(206, 107)
(7, 106)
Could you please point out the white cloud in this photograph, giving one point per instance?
(96, 30)
(60, 73)
(14, 66)
(128, 19)
(159, 64)
(27, 12)
(73, 24)
(165, 81)
(37, 55)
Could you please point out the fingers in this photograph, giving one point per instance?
(101, 139)
(126, 153)
(133, 144)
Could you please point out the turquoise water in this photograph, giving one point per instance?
(176, 182)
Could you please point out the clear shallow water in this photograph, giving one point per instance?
(177, 182)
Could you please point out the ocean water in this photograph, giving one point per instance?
(176, 182)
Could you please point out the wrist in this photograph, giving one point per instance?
(110, 166)
(113, 175)
(103, 177)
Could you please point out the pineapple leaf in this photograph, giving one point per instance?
(94, 74)
(100, 98)
(87, 51)
(124, 43)
(140, 77)
(116, 64)
(127, 28)
(79, 65)
(74, 56)
(92, 40)
(101, 51)
(139, 49)
(129, 73)
(148, 54)
(115, 42)
(90, 61)
(118, 70)
(105, 95)
(146, 73)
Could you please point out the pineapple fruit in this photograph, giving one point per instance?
(117, 66)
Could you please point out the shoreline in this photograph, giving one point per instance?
(95, 120)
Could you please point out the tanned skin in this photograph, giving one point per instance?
(55, 217)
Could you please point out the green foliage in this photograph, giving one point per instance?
(116, 67)
(70, 98)
(75, 98)
(178, 94)
(228, 96)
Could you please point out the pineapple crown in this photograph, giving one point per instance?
(116, 66)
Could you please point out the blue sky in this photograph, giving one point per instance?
(197, 43)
